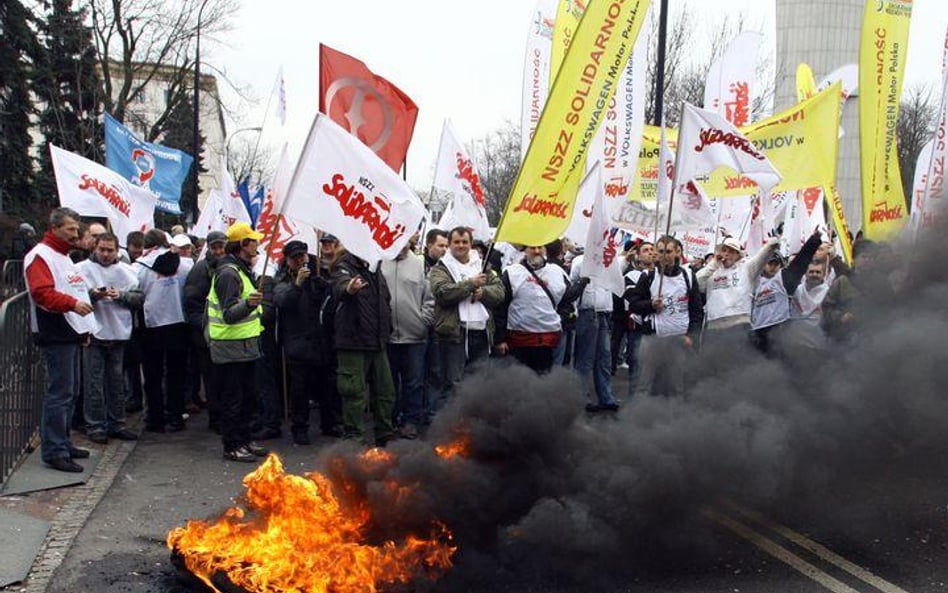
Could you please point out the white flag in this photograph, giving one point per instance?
(277, 228)
(223, 208)
(932, 199)
(279, 92)
(602, 258)
(456, 177)
(93, 190)
(919, 184)
(536, 70)
(707, 142)
(206, 221)
(340, 186)
(848, 75)
(729, 87)
(585, 199)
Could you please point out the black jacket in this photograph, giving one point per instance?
(196, 288)
(304, 329)
(363, 321)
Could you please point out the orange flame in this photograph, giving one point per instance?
(461, 447)
(296, 535)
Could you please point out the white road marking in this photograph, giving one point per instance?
(818, 549)
(779, 552)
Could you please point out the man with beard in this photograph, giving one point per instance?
(729, 282)
(61, 319)
(464, 297)
(771, 306)
(669, 299)
(161, 276)
(196, 288)
(529, 323)
(234, 328)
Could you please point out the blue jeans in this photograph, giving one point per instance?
(62, 376)
(460, 359)
(104, 380)
(407, 362)
(591, 357)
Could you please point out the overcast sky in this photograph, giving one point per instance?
(462, 60)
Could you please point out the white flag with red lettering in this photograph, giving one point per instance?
(456, 177)
(92, 189)
(536, 70)
(708, 142)
(729, 87)
(602, 261)
(340, 186)
(578, 227)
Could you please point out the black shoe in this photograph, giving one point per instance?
(175, 426)
(256, 449)
(77, 453)
(99, 438)
(265, 434)
(123, 435)
(593, 408)
(240, 454)
(65, 465)
(613, 407)
(301, 437)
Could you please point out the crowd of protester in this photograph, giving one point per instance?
(181, 328)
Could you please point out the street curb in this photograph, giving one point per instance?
(70, 519)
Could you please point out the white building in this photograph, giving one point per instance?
(825, 35)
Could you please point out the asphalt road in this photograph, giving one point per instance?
(883, 532)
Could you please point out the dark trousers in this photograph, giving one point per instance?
(328, 398)
(302, 382)
(208, 376)
(164, 363)
(539, 358)
(238, 401)
(408, 373)
(270, 383)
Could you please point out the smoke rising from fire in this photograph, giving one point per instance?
(540, 486)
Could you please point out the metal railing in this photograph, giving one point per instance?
(11, 278)
(22, 382)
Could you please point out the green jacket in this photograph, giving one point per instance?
(448, 293)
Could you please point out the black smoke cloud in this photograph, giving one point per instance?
(546, 489)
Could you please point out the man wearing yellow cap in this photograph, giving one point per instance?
(234, 328)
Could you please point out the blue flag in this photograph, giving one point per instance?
(253, 203)
(159, 169)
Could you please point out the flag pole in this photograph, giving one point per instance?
(256, 146)
(671, 204)
(660, 66)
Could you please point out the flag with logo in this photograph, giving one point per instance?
(578, 228)
(159, 169)
(277, 228)
(340, 186)
(602, 261)
(93, 190)
(568, 15)
(370, 107)
(536, 70)
(456, 178)
(931, 161)
(253, 200)
(729, 87)
(542, 198)
(882, 56)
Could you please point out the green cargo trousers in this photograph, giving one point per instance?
(355, 369)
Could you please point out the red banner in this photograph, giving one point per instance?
(371, 108)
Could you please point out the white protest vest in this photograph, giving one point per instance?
(530, 309)
(115, 320)
(808, 305)
(729, 292)
(771, 303)
(673, 320)
(68, 280)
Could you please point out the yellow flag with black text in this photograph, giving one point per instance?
(882, 53)
(541, 201)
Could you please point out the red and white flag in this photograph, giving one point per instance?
(456, 178)
(277, 228)
(931, 202)
(591, 185)
(92, 189)
(602, 259)
(370, 107)
(536, 70)
(708, 142)
(340, 186)
(729, 87)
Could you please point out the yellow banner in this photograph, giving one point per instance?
(540, 205)
(839, 221)
(885, 29)
(568, 15)
(806, 84)
(801, 142)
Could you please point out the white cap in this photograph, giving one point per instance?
(733, 244)
(181, 240)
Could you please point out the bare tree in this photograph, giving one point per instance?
(918, 115)
(143, 42)
(246, 158)
(497, 155)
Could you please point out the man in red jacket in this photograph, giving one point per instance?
(60, 322)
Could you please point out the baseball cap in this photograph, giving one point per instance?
(328, 238)
(734, 244)
(775, 257)
(295, 248)
(240, 231)
(216, 237)
(181, 240)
